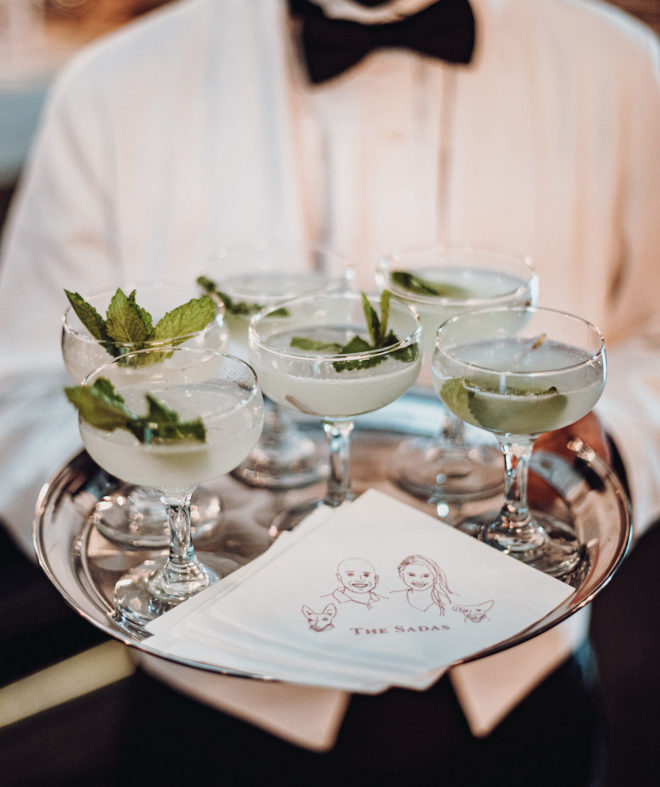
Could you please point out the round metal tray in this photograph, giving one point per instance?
(84, 566)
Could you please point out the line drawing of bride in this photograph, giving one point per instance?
(426, 584)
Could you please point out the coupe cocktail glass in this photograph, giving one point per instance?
(196, 384)
(260, 277)
(441, 281)
(518, 373)
(133, 515)
(298, 360)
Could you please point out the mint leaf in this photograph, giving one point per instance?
(188, 318)
(107, 389)
(104, 408)
(373, 323)
(126, 323)
(159, 412)
(148, 431)
(88, 315)
(404, 354)
(163, 424)
(208, 285)
(144, 314)
(237, 308)
(100, 405)
(356, 363)
(304, 343)
(377, 327)
(384, 315)
(416, 284)
(356, 345)
(129, 327)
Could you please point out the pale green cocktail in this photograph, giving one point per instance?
(170, 426)
(518, 373)
(108, 324)
(511, 399)
(439, 282)
(252, 279)
(334, 356)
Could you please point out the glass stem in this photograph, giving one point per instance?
(338, 435)
(182, 575)
(182, 552)
(515, 530)
(452, 431)
(515, 510)
(278, 424)
(276, 419)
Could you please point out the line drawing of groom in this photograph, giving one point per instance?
(358, 579)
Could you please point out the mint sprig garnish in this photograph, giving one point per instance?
(420, 286)
(126, 322)
(88, 316)
(312, 345)
(104, 408)
(128, 327)
(238, 308)
(379, 335)
(494, 409)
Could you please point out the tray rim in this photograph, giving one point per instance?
(107, 625)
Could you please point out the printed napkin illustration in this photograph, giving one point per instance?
(373, 594)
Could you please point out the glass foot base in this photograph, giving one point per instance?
(285, 461)
(135, 517)
(426, 469)
(140, 595)
(552, 547)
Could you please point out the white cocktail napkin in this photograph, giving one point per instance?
(289, 616)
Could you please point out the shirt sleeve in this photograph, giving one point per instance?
(59, 232)
(58, 235)
(630, 405)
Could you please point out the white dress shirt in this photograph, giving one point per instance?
(193, 129)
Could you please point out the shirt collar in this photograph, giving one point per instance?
(393, 11)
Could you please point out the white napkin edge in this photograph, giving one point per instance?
(307, 716)
(311, 717)
(248, 642)
(317, 672)
(487, 689)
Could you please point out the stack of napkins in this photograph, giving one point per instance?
(363, 597)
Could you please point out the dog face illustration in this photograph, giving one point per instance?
(475, 612)
(320, 621)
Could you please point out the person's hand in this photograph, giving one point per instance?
(589, 429)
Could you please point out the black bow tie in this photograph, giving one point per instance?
(330, 46)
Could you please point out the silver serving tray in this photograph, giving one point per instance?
(84, 566)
